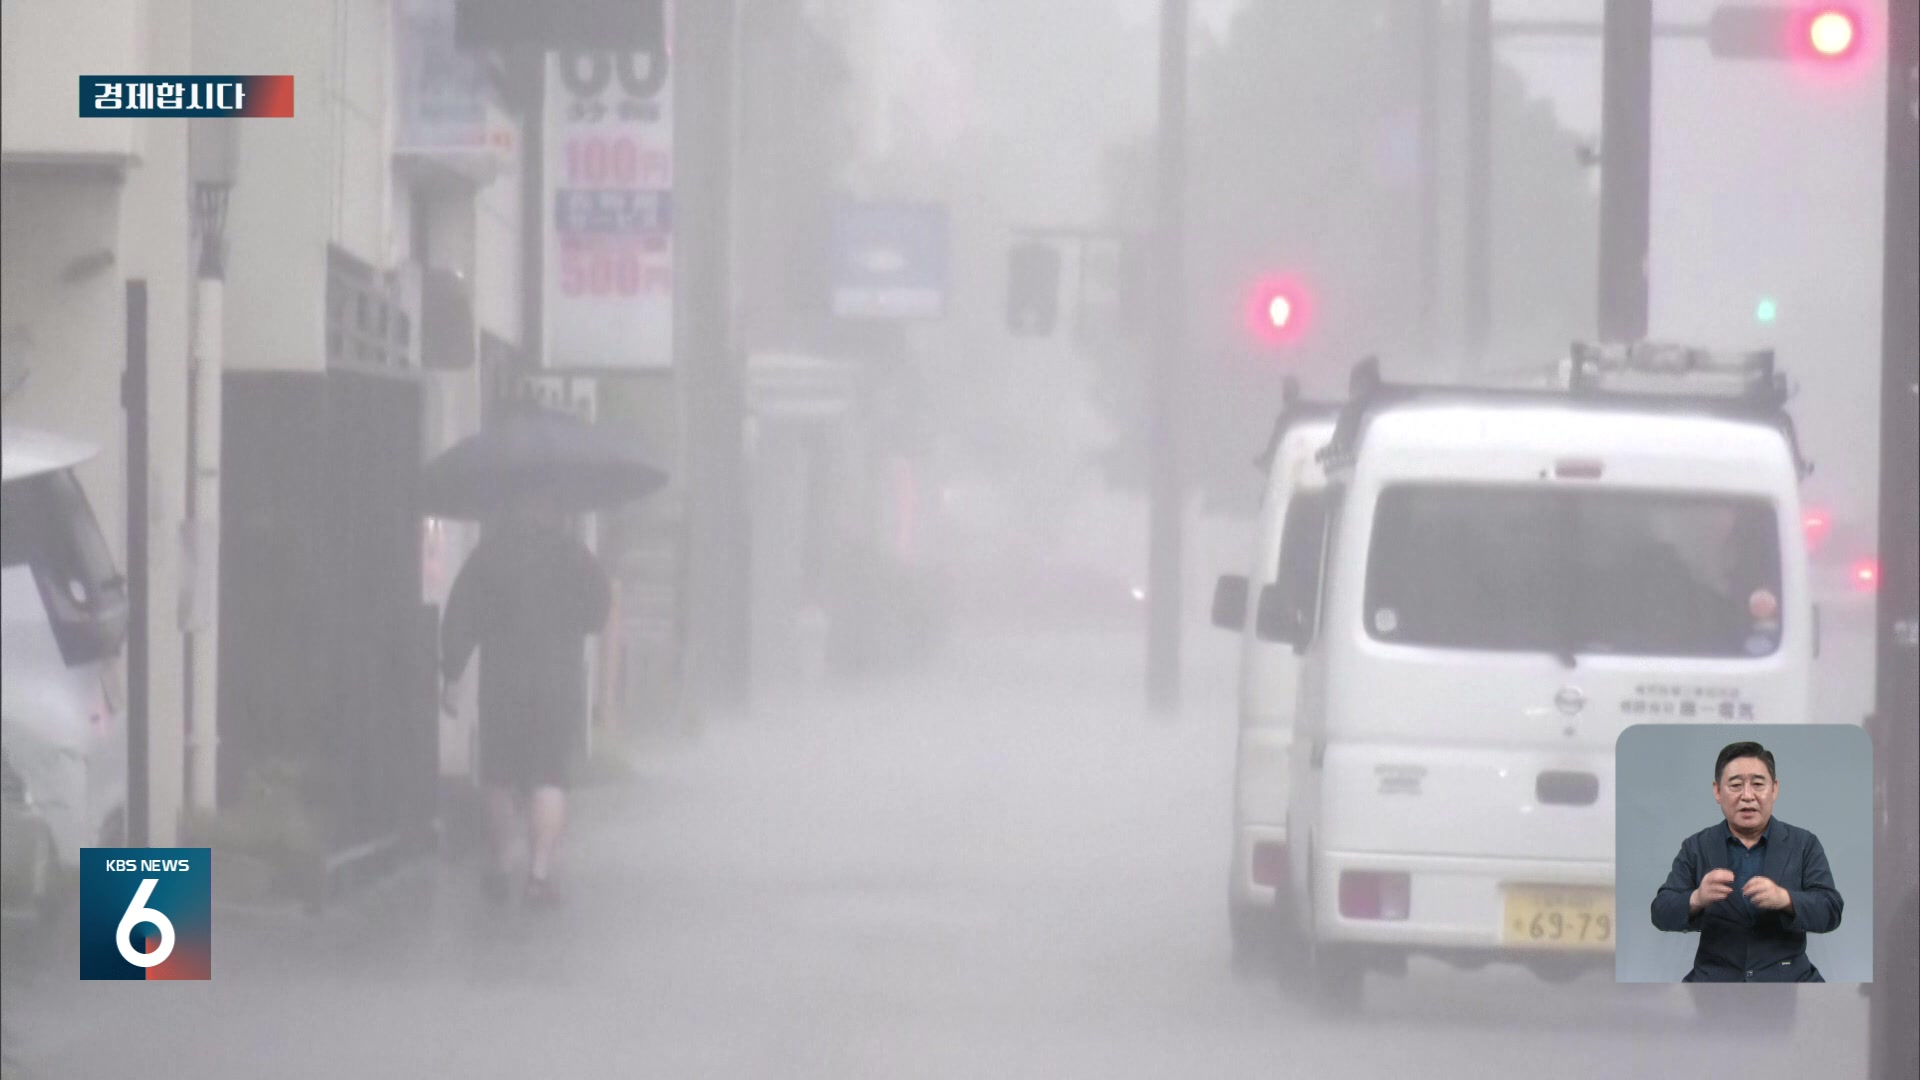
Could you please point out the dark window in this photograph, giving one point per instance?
(365, 326)
(1302, 536)
(1597, 572)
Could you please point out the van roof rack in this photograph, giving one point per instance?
(1294, 409)
(1759, 392)
(1589, 365)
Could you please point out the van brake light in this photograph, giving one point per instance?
(1370, 894)
(1866, 575)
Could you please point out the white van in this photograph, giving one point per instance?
(1285, 562)
(1511, 578)
(64, 606)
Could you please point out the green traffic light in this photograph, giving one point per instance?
(1766, 311)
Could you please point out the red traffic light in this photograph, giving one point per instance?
(1823, 34)
(1832, 33)
(1277, 311)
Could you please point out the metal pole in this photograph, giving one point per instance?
(133, 399)
(530, 67)
(1626, 150)
(1894, 1049)
(203, 641)
(717, 661)
(1163, 548)
(1479, 272)
(1427, 28)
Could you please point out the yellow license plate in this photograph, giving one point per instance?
(1549, 917)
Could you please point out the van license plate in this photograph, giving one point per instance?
(1550, 917)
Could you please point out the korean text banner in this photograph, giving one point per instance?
(158, 96)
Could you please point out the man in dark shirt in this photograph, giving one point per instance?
(525, 599)
(1753, 887)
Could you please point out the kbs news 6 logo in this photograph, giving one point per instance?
(146, 913)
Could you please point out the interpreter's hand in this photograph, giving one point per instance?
(1767, 896)
(1715, 887)
(450, 698)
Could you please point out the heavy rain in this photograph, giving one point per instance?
(959, 538)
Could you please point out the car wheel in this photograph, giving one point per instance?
(1286, 944)
(1251, 936)
(1337, 979)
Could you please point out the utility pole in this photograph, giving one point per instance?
(1426, 29)
(710, 364)
(1626, 152)
(1479, 270)
(1166, 499)
(214, 164)
(1895, 994)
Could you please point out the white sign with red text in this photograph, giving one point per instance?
(609, 211)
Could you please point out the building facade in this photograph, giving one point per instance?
(371, 287)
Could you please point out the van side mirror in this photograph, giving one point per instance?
(1230, 602)
(1279, 620)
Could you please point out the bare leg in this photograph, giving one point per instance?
(549, 817)
(504, 816)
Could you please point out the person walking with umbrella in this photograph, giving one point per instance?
(525, 601)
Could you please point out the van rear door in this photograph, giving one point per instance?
(1508, 632)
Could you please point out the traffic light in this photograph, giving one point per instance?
(1033, 289)
(1832, 33)
(1277, 311)
(1822, 34)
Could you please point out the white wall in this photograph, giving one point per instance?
(47, 45)
(52, 216)
(324, 176)
(360, 101)
(48, 218)
(497, 282)
(281, 208)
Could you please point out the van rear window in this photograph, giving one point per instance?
(1524, 569)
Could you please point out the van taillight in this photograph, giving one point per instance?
(1866, 575)
(1817, 524)
(1371, 894)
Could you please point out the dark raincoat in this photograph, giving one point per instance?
(526, 599)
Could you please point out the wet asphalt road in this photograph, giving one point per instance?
(1001, 869)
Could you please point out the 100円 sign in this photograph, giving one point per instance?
(609, 211)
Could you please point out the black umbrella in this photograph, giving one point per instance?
(580, 466)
